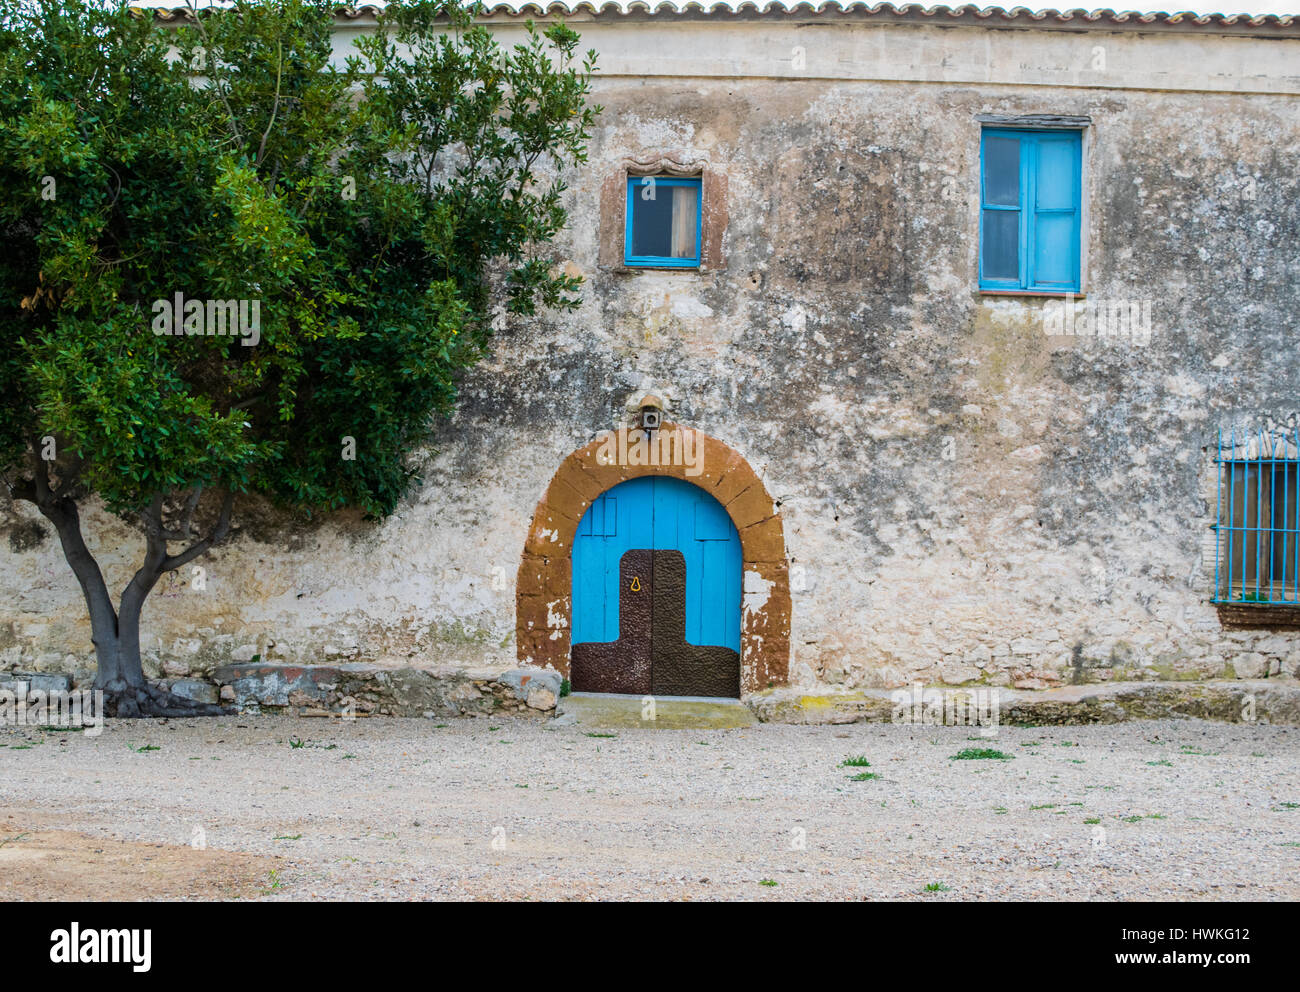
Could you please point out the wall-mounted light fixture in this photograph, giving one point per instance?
(650, 413)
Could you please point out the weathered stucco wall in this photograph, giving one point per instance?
(964, 497)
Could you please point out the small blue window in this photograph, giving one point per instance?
(1030, 210)
(663, 222)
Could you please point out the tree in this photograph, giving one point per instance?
(337, 235)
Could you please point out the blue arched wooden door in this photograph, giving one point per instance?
(656, 593)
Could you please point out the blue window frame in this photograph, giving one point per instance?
(1030, 210)
(663, 222)
(1257, 536)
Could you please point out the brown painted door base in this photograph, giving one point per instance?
(622, 665)
(651, 655)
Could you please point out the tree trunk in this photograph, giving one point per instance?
(116, 633)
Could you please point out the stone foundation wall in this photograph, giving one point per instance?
(965, 498)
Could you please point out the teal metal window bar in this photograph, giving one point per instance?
(1257, 534)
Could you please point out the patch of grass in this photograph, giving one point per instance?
(287, 837)
(937, 887)
(12, 840)
(145, 747)
(1075, 761)
(856, 761)
(21, 747)
(1092, 820)
(1044, 806)
(767, 881)
(999, 810)
(1281, 806)
(863, 777)
(979, 754)
(274, 882)
(565, 688)
(297, 742)
(594, 734)
(346, 756)
(1161, 763)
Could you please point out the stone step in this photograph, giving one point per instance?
(1275, 701)
(611, 711)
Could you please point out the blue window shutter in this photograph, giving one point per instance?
(1001, 199)
(1055, 234)
(1030, 210)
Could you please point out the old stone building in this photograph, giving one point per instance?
(945, 309)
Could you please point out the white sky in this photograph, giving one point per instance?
(1195, 6)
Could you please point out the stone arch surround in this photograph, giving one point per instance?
(543, 597)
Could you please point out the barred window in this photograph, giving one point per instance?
(1258, 531)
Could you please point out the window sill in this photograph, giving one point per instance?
(1259, 616)
(1040, 293)
(659, 268)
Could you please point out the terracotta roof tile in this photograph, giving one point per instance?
(1102, 19)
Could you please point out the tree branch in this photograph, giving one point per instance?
(40, 477)
(275, 106)
(187, 518)
(219, 532)
(203, 33)
(61, 511)
(71, 478)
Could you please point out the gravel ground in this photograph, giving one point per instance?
(516, 809)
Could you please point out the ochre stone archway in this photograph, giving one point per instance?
(543, 601)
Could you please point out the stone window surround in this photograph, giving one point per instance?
(543, 591)
(713, 207)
